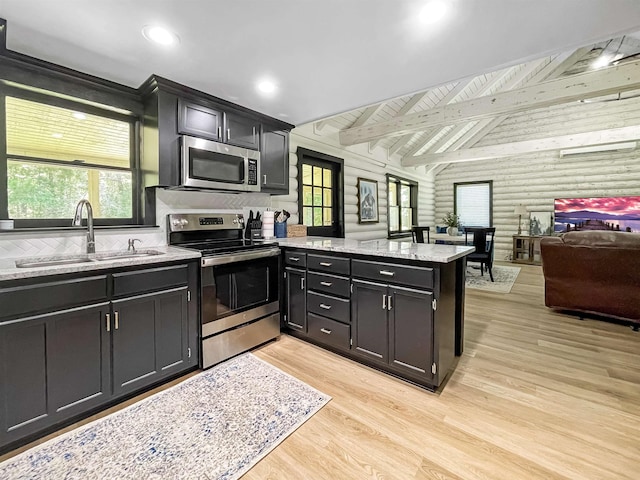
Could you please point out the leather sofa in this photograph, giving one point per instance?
(593, 272)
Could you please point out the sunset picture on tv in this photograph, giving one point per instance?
(597, 213)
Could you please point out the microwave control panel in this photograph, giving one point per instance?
(253, 172)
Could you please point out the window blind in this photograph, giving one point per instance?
(473, 204)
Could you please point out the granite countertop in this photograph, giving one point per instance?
(9, 271)
(381, 248)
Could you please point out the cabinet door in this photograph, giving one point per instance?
(411, 330)
(149, 336)
(78, 359)
(296, 299)
(274, 162)
(194, 119)
(242, 131)
(369, 320)
(23, 378)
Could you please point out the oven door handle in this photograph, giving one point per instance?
(238, 257)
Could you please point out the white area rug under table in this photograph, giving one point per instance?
(504, 278)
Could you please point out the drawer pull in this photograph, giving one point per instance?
(294, 259)
(325, 264)
(324, 330)
(387, 273)
(326, 284)
(325, 306)
(384, 302)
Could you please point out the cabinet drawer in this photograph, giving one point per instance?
(295, 259)
(332, 307)
(325, 263)
(329, 331)
(393, 273)
(52, 296)
(149, 280)
(330, 284)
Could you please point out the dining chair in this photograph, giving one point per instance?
(483, 241)
(418, 234)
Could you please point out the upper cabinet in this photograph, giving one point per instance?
(274, 158)
(215, 124)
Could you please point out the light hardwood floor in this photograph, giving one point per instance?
(536, 395)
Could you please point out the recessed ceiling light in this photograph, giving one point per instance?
(267, 86)
(57, 135)
(79, 115)
(433, 11)
(160, 35)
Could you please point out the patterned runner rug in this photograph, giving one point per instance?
(504, 278)
(215, 425)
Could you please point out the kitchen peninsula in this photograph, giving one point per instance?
(395, 306)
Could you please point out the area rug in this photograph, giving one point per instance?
(504, 278)
(215, 425)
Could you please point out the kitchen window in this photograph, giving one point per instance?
(402, 205)
(473, 202)
(59, 151)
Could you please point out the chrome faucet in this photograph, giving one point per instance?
(77, 222)
(132, 244)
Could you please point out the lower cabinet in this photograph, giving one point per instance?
(296, 299)
(58, 365)
(149, 338)
(369, 320)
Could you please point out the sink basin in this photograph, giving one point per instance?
(51, 261)
(127, 254)
(74, 259)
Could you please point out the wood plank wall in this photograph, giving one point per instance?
(358, 162)
(536, 180)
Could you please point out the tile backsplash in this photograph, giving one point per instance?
(21, 244)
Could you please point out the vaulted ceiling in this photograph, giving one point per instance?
(441, 125)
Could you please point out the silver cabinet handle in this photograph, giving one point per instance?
(264, 179)
(325, 330)
(116, 320)
(228, 134)
(325, 264)
(108, 318)
(325, 306)
(387, 273)
(384, 302)
(294, 259)
(254, 134)
(302, 283)
(220, 132)
(326, 284)
(389, 303)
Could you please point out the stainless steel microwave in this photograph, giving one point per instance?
(217, 166)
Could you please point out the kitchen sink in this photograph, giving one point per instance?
(75, 259)
(126, 254)
(51, 261)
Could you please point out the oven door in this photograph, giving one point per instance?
(207, 164)
(239, 292)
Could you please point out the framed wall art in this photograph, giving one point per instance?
(367, 201)
(540, 223)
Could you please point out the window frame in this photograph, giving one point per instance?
(50, 98)
(413, 204)
(479, 182)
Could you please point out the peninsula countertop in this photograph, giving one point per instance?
(381, 248)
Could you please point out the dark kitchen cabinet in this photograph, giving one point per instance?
(242, 131)
(149, 338)
(369, 320)
(274, 161)
(296, 299)
(199, 121)
(81, 343)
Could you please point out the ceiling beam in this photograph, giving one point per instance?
(366, 115)
(577, 87)
(599, 137)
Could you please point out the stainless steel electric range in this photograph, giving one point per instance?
(240, 306)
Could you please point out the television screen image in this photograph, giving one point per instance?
(597, 213)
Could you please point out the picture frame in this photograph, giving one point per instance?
(541, 223)
(367, 201)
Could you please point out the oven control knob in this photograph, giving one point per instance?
(183, 221)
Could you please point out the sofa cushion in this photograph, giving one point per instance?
(602, 238)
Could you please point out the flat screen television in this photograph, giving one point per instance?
(597, 213)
